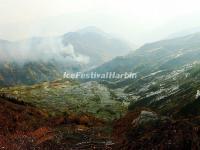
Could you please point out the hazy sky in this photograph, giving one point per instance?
(138, 21)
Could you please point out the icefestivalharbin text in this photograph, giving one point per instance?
(95, 75)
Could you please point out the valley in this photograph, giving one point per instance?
(158, 110)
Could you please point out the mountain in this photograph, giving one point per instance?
(86, 46)
(168, 76)
(161, 55)
(96, 44)
(94, 29)
(46, 58)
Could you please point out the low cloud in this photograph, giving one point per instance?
(44, 49)
(68, 51)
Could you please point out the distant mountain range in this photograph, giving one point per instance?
(184, 33)
(44, 58)
(86, 46)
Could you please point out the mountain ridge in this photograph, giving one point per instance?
(71, 52)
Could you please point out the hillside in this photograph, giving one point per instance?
(152, 57)
(167, 76)
(24, 126)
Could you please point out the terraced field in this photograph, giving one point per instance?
(66, 96)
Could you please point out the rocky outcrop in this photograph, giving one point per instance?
(144, 118)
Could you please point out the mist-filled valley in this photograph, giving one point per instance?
(99, 75)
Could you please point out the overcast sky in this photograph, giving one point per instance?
(138, 21)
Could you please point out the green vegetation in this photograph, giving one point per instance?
(65, 96)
